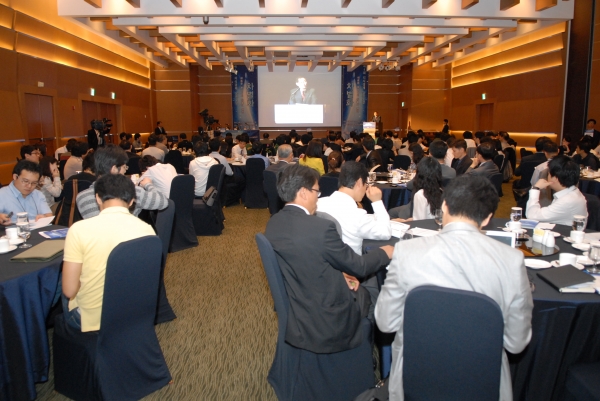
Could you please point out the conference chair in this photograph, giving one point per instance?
(123, 360)
(61, 168)
(208, 220)
(471, 152)
(175, 158)
(298, 374)
(402, 161)
(453, 344)
(499, 162)
(67, 212)
(133, 165)
(255, 194)
(511, 156)
(593, 208)
(270, 186)
(582, 382)
(164, 227)
(328, 185)
(325, 163)
(182, 194)
(496, 180)
(524, 152)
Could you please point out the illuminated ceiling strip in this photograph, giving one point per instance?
(294, 30)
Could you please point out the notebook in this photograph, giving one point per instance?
(564, 277)
(43, 252)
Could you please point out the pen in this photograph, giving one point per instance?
(10, 215)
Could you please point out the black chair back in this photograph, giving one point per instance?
(164, 229)
(123, 360)
(402, 161)
(208, 220)
(593, 208)
(511, 156)
(61, 168)
(133, 165)
(182, 194)
(67, 212)
(216, 178)
(524, 152)
(496, 180)
(453, 345)
(499, 161)
(527, 168)
(325, 164)
(175, 158)
(255, 193)
(328, 185)
(270, 185)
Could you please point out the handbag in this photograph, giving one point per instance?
(209, 196)
(380, 392)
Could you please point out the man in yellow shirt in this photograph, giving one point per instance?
(88, 244)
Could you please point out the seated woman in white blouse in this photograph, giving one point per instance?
(427, 189)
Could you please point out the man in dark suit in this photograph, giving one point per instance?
(95, 137)
(159, 129)
(301, 94)
(438, 150)
(592, 132)
(463, 161)
(285, 155)
(529, 163)
(484, 161)
(319, 270)
(446, 127)
(371, 157)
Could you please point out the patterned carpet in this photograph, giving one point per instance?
(222, 343)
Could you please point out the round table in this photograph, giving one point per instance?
(565, 329)
(26, 294)
(589, 186)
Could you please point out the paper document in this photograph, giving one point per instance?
(545, 226)
(43, 222)
(423, 232)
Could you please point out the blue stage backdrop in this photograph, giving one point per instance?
(355, 87)
(244, 96)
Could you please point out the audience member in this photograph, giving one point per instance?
(21, 194)
(550, 152)
(325, 307)
(31, 153)
(592, 133)
(238, 152)
(497, 271)
(128, 148)
(563, 176)
(483, 163)
(411, 139)
(184, 145)
(529, 163)
(371, 157)
(584, 156)
(462, 159)
(427, 188)
(73, 164)
(88, 172)
(285, 154)
(215, 145)
(335, 160)
(256, 153)
(88, 246)
(161, 143)
(161, 174)
(64, 149)
(438, 150)
(137, 142)
(200, 166)
(49, 183)
(468, 137)
(313, 157)
(112, 159)
(153, 150)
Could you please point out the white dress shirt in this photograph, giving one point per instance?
(161, 176)
(565, 205)
(421, 209)
(537, 171)
(449, 157)
(237, 151)
(223, 161)
(471, 143)
(495, 270)
(356, 223)
(59, 151)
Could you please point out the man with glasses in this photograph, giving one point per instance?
(31, 153)
(325, 308)
(22, 196)
(111, 159)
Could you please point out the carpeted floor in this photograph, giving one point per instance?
(222, 343)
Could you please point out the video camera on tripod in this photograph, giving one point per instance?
(103, 125)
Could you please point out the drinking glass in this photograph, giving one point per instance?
(595, 256)
(516, 213)
(24, 232)
(372, 176)
(578, 223)
(438, 218)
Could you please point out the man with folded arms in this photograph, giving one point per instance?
(88, 246)
(563, 176)
(448, 260)
(111, 159)
(325, 308)
(482, 163)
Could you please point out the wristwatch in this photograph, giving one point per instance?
(534, 187)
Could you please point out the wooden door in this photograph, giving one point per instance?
(485, 116)
(40, 121)
(403, 122)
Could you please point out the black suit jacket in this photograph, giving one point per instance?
(486, 169)
(463, 165)
(526, 168)
(372, 159)
(93, 139)
(160, 130)
(323, 315)
(296, 96)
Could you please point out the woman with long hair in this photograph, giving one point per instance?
(334, 163)
(313, 157)
(49, 183)
(427, 189)
(416, 153)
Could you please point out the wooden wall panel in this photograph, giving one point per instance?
(384, 97)
(594, 88)
(173, 104)
(217, 99)
(428, 103)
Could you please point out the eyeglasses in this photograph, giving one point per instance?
(315, 190)
(123, 165)
(27, 183)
